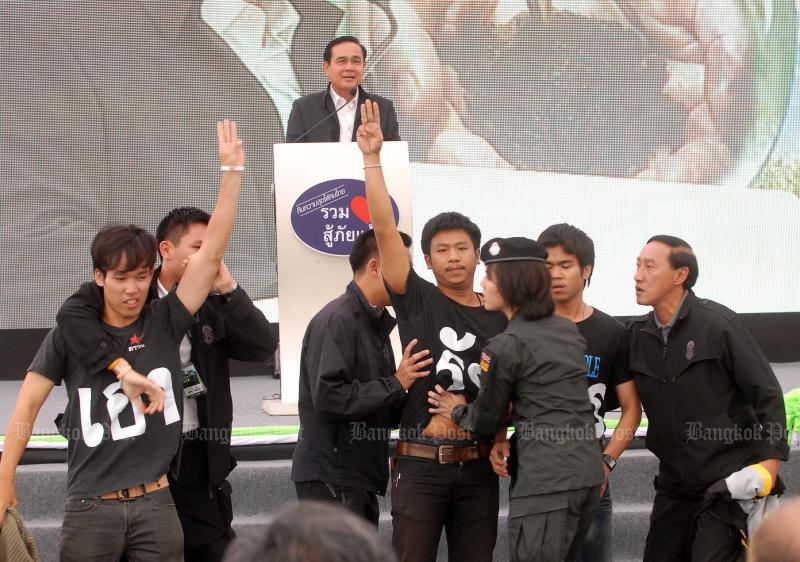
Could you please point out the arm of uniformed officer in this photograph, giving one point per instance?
(394, 256)
(34, 391)
(335, 390)
(488, 413)
(759, 385)
(247, 330)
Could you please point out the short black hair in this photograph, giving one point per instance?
(365, 248)
(449, 221)
(116, 243)
(175, 224)
(326, 54)
(313, 531)
(525, 286)
(681, 255)
(574, 241)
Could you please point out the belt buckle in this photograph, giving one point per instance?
(124, 494)
(446, 454)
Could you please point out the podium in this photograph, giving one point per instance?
(320, 208)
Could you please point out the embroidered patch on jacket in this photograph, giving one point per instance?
(208, 334)
(690, 350)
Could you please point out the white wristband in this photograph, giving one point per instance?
(231, 168)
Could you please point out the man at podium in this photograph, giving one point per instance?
(332, 115)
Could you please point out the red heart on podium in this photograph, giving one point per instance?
(360, 208)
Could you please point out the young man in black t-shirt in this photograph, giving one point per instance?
(442, 476)
(118, 499)
(571, 263)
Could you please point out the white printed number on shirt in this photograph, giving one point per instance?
(116, 402)
(451, 362)
(597, 393)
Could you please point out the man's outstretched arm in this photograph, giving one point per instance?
(394, 257)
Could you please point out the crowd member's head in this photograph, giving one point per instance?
(343, 62)
(123, 257)
(450, 244)
(777, 539)
(365, 262)
(313, 532)
(570, 259)
(666, 266)
(517, 279)
(179, 235)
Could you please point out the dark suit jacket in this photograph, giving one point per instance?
(113, 106)
(317, 109)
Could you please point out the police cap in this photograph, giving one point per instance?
(512, 249)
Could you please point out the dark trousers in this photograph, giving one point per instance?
(682, 528)
(360, 502)
(205, 510)
(598, 543)
(142, 529)
(461, 497)
(551, 527)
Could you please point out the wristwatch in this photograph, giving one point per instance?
(610, 461)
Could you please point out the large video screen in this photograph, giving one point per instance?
(627, 118)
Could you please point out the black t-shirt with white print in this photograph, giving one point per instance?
(112, 445)
(455, 335)
(606, 362)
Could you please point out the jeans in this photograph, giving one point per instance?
(143, 529)
(597, 546)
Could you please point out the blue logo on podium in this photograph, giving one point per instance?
(329, 216)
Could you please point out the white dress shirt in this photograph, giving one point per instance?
(347, 115)
(191, 420)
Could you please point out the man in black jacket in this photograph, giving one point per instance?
(350, 392)
(312, 118)
(713, 404)
(227, 326)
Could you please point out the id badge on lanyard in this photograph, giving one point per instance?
(192, 383)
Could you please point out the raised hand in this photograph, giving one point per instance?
(231, 151)
(370, 135)
(411, 366)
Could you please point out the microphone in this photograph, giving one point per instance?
(352, 94)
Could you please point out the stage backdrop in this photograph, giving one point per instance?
(627, 118)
